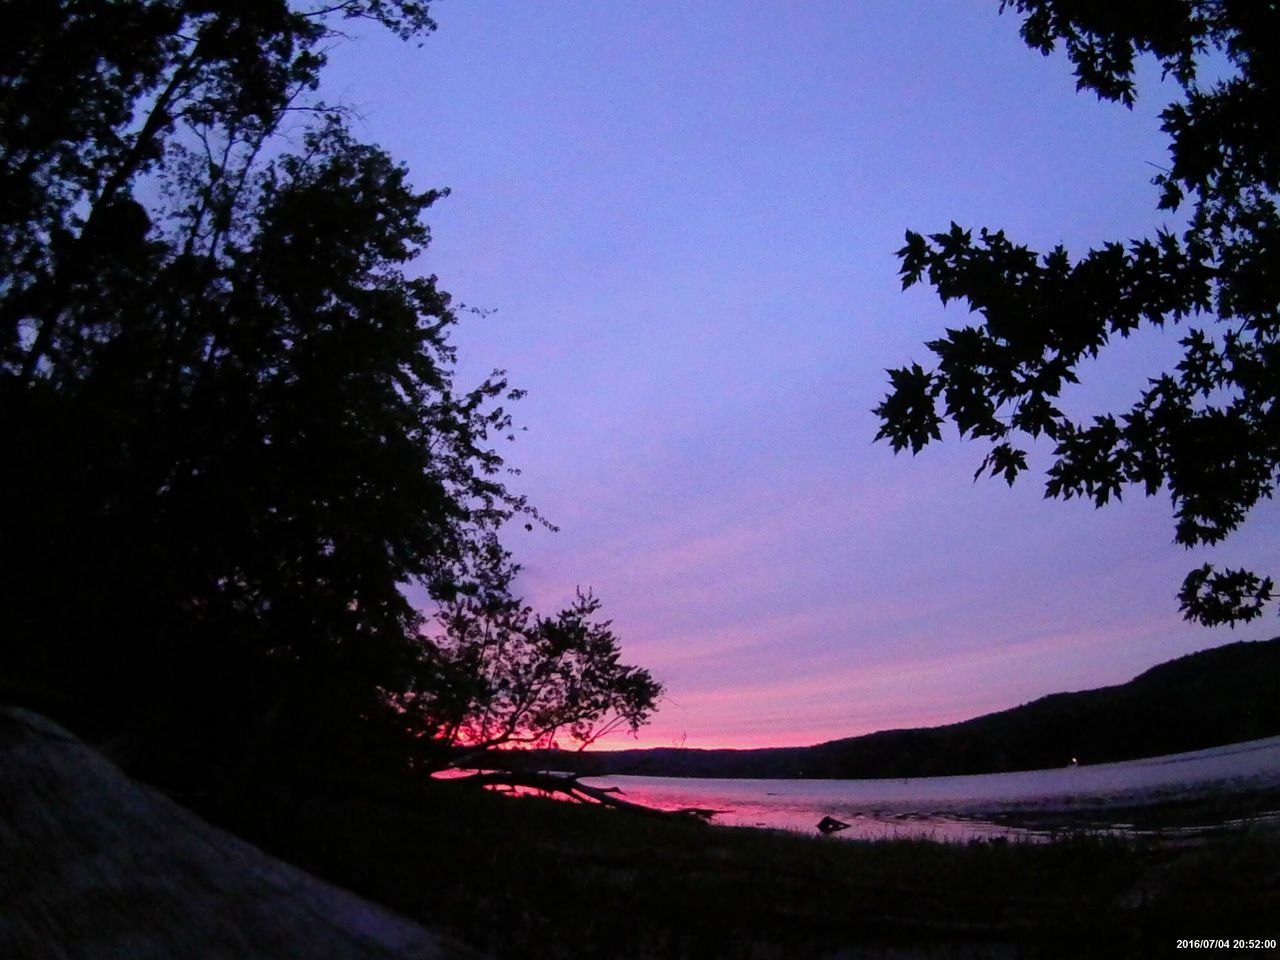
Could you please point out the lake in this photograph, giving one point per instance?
(971, 807)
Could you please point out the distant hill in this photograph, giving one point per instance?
(1206, 699)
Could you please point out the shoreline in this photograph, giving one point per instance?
(1198, 790)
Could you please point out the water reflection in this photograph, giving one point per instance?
(1028, 806)
(776, 811)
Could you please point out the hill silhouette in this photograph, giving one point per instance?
(1224, 695)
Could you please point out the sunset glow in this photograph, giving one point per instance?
(684, 218)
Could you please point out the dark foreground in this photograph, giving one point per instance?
(536, 878)
(95, 866)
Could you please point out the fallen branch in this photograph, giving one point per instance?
(571, 787)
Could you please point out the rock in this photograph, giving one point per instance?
(831, 825)
(97, 866)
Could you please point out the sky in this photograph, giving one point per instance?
(681, 219)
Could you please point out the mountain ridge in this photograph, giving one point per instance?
(1223, 695)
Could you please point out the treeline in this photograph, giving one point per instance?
(1206, 699)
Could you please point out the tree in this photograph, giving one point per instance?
(498, 675)
(231, 427)
(1208, 431)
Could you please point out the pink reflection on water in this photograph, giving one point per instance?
(776, 812)
(964, 808)
(961, 808)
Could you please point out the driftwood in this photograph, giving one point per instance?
(571, 787)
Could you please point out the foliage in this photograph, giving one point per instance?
(533, 677)
(1208, 431)
(231, 427)
(497, 675)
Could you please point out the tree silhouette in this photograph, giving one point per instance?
(231, 428)
(1207, 431)
(495, 674)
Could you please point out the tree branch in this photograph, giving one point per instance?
(574, 789)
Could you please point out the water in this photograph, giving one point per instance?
(964, 808)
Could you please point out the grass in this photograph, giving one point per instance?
(534, 878)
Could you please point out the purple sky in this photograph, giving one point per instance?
(684, 216)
